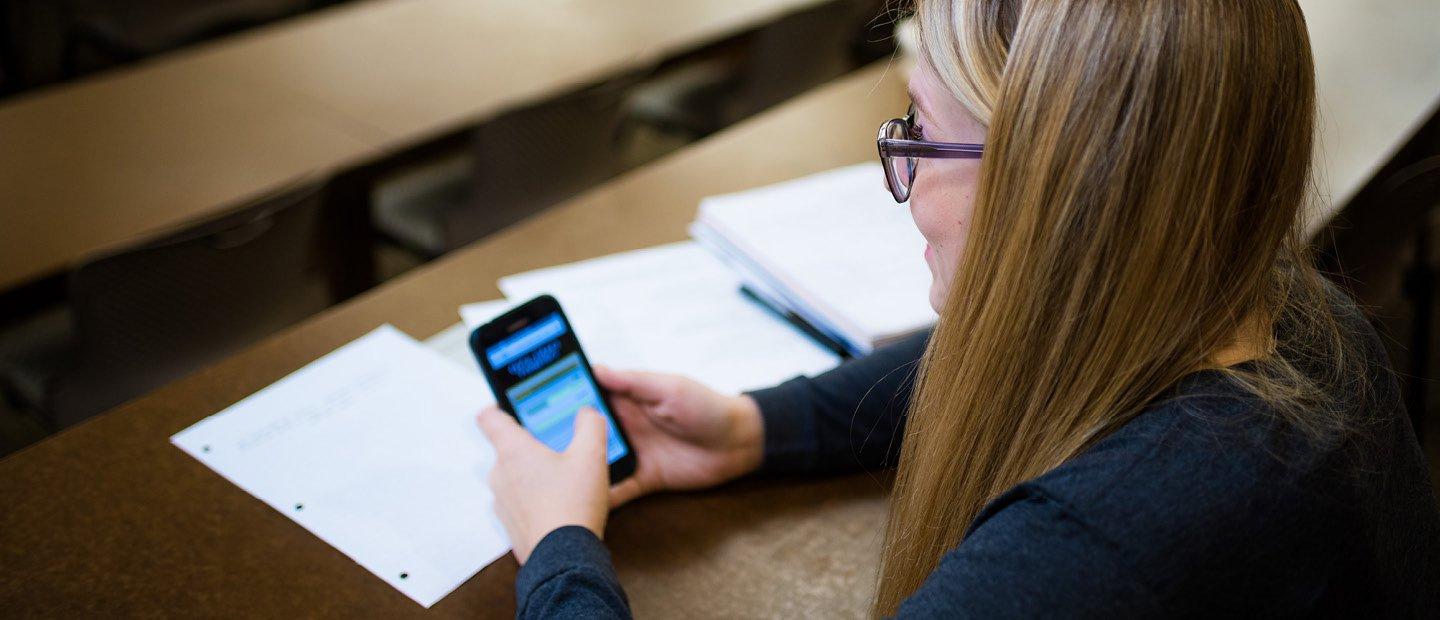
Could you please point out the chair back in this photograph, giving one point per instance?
(811, 46)
(147, 314)
(9, 50)
(103, 33)
(531, 158)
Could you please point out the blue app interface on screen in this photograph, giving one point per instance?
(553, 384)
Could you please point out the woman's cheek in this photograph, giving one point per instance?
(947, 241)
(935, 262)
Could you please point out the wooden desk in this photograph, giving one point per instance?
(108, 517)
(189, 135)
(108, 160)
(406, 70)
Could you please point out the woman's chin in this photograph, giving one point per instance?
(937, 296)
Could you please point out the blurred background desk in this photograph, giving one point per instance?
(186, 136)
(109, 517)
(411, 127)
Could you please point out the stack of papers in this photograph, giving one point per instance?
(832, 248)
(673, 309)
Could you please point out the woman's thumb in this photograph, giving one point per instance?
(589, 433)
(644, 386)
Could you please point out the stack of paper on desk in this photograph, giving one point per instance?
(833, 248)
(672, 309)
(374, 449)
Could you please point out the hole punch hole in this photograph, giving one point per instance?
(404, 575)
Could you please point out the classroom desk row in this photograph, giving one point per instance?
(138, 151)
(109, 517)
(190, 135)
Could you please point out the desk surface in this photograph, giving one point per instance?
(186, 136)
(108, 516)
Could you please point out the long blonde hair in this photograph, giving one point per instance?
(1138, 205)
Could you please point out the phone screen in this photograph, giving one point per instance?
(544, 376)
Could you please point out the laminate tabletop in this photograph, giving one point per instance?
(129, 153)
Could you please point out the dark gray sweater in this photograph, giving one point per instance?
(1205, 504)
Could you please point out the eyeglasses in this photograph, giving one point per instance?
(901, 148)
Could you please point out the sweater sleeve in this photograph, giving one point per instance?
(848, 418)
(569, 575)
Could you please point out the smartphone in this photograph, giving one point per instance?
(538, 373)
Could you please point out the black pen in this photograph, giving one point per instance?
(798, 322)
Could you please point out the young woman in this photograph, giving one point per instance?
(1139, 399)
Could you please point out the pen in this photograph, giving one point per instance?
(798, 322)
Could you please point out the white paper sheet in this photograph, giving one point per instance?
(674, 309)
(374, 449)
(453, 343)
(838, 241)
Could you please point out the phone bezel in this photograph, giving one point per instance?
(520, 317)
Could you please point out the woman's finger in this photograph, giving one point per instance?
(645, 386)
(612, 379)
(500, 428)
(589, 439)
(632, 416)
(627, 490)
(609, 378)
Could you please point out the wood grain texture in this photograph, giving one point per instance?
(188, 135)
(108, 518)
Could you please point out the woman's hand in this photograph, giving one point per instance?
(685, 435)
(538, 489)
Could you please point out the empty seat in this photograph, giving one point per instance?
(143, 315)
(102, 33)
(521, 162)
(783, 59)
